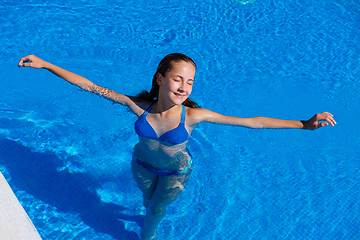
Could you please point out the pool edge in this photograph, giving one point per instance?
(14, 221)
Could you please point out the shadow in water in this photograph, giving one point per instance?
(37, 174)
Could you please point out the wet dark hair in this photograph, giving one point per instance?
(164, 66)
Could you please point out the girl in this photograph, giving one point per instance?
(161, 163)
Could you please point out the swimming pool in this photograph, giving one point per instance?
(66, 153)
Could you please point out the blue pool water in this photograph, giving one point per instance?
(66, 153)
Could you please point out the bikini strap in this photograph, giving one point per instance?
(183, 114)
(148, 108)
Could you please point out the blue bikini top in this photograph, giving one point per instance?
(175, 136)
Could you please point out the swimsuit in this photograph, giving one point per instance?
(163, 172)
(175, 136)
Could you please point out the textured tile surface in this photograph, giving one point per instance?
(14, 222)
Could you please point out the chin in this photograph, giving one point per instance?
(179, 101)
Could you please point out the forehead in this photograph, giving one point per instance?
(182, 66)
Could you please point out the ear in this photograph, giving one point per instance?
(159, 78)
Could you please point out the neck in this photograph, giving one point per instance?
(166, 109)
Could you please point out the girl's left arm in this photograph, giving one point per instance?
(317, 121)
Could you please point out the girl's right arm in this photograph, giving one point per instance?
(83, 83)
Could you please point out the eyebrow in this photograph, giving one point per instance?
(183, 78)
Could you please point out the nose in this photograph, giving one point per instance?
(182, 86)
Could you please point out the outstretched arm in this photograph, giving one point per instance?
(83, 83)
(35, 62)
(203, 115)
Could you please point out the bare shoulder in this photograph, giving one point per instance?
(137, 106)
(196, 112)
(198, 115)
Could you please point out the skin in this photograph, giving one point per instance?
(175, 88)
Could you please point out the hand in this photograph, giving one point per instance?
(31, 61)
(313, 123)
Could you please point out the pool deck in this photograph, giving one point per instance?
(15, 224)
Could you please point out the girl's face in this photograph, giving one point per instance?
(177, 83)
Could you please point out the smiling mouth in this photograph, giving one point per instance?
(179, 95)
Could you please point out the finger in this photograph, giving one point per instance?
(26, 64)
(20, 64)
(323, 124)
(327, 113)
(330, 115)
(327, 117)
(23, 62)
(332, 121)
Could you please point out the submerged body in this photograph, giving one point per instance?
(161, 166)
(161, 163)
(165, 152)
